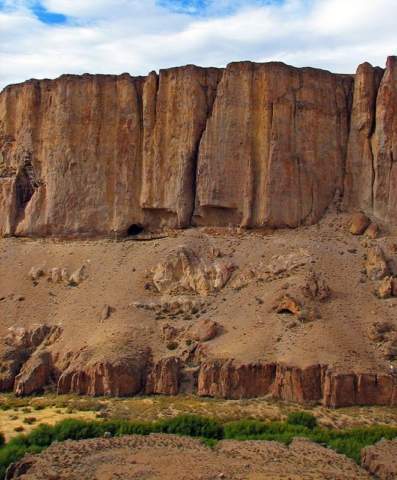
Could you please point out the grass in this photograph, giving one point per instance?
(157, 407)
(345, 441)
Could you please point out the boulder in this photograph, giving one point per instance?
(55, 275)
(376, 265)
(288, 304)
(359, 223)
(184, 271)
(379, 330)
(315, 287)
(36, 272)
(385, 288)
(78, 276)
(372, 231)
(203, 330)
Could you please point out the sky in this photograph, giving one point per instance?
(46, 38)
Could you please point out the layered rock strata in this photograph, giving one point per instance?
(216, 378)
(252, 145)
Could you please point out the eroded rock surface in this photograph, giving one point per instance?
(381, 459)
(185, 271)
(252, 145)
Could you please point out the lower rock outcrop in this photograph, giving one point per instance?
(216, 378)
(381, 459)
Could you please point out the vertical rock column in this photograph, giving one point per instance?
(360, 172)
(384, 144)
(176, 105)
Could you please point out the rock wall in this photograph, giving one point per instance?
(251, 145)
(216, 378)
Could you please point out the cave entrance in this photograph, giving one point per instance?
(285, 311)
(134, 229)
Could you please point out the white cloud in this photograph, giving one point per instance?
(137, 36)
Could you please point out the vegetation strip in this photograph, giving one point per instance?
(298, 424)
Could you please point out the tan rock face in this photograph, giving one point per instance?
(254, 144)
(359, 180)
(185, 271)
(274, 146)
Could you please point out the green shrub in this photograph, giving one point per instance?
(191, 425)
(74, 429)
(348, 442)
(42, 436)
(302, 418)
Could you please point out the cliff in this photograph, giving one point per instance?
(251, 145)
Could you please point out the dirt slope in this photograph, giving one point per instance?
(167, 456)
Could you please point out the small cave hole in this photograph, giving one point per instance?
(134, 229)
(285, 311)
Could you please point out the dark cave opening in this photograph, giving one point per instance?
(134, 229)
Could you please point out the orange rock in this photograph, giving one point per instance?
(359, 224)
(372, 231)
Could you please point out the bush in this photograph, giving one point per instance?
(74, 429)
(244, 428)
(192, 426)
(29, 420)
(2, 439)
(348, 442)
(302, 418)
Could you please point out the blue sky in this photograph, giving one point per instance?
(46, 16)
(45, 38)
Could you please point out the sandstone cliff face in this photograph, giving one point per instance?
(252, 145)
(176, 105)
(36, 363)
(274, 148)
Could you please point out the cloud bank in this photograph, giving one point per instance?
(43, 39)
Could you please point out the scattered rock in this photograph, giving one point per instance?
(287, 263)
(106, 312)
(55, 275)
(372, 231)
(203, 330)
(184, 271)
(394, 287)
(376, 266)
(378, 330)
(65, 275)
(35, 273)
(78, 276)
(385, 288)
(169, 332)
(384, 333)
(171, 306)
(359, 223)
(287, 304)
(316, 288)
